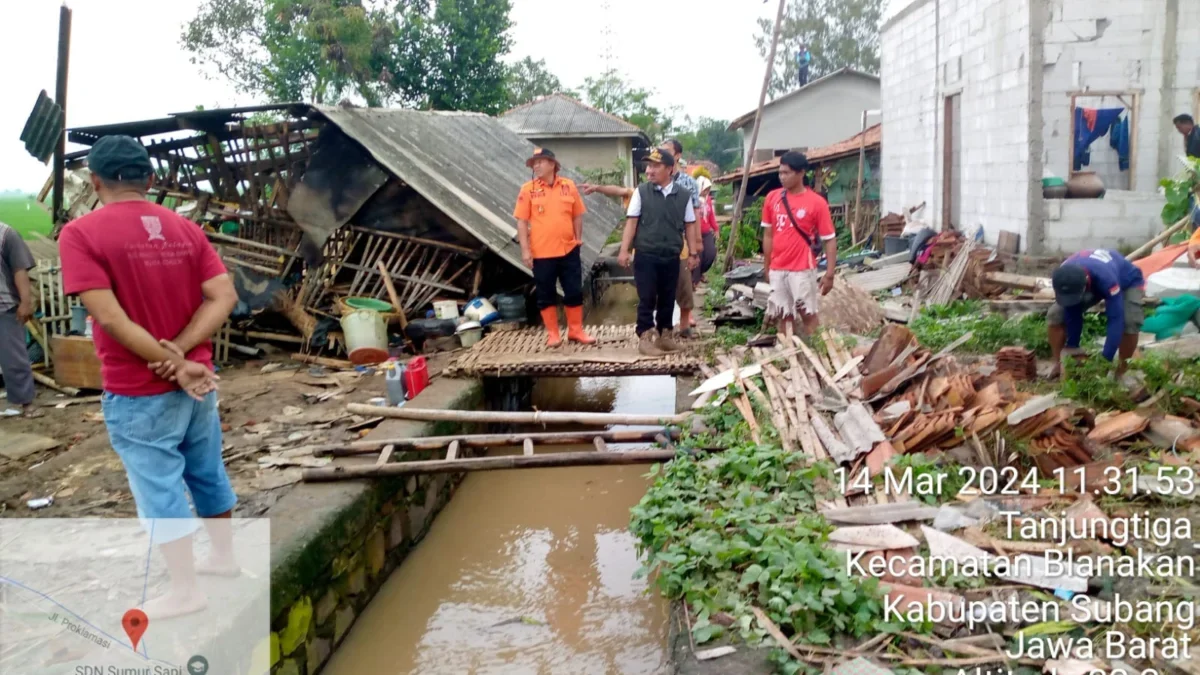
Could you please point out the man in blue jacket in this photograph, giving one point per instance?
(1085, 279)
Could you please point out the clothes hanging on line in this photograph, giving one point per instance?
(1118, 139)
(1091, 124)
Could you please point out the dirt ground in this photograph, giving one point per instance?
(268, 408)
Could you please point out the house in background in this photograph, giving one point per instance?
(983, 98)
(581, 137)
(821, 113)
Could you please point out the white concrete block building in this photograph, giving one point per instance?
(979, 97)
(824, 111)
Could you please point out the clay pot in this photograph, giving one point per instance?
(1085, 185)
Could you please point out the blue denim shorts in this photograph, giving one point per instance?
(170, 445)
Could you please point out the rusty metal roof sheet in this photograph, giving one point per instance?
(870, 139)
(561, 115)
(468, 165)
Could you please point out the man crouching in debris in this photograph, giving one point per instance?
(660, 215)
(157, 291)
(549, 215)
(794, 219)
(1083, 280)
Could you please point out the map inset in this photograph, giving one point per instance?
(67, 585)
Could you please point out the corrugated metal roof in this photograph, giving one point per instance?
(561, 115)
(873, 139)
(43, 128)
(468, 165)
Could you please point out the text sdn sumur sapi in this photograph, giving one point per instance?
(119, 670)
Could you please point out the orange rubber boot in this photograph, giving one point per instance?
(550, 319)
(575, 332)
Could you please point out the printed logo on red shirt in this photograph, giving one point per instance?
(153, 227)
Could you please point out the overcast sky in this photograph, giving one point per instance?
(127, 62)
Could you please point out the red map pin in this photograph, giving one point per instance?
(135, 623)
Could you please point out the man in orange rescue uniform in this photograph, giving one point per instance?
(549, 217)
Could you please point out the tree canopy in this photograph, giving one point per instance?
(710, 139)
(839, 34)
(611, 93)
(527, 80)
(443, 55)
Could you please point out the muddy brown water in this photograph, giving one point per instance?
(528, 571)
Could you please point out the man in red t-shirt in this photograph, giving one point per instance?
(790, 242)
(157, 292)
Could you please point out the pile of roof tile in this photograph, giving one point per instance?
(1019, 362)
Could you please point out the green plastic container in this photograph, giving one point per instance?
(369, 303)
(1053, 181)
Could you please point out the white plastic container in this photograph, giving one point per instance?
(469, 333)
(446, 309)
(481, 310)
(364, 328)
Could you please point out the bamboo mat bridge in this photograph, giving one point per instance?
(523, 353)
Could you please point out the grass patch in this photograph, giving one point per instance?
(1091, 382)
(939, 325)
(25, 215)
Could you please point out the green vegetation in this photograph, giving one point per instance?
(739, 529)
(1091, 382)
(937, 326)
(24, 215)
(749, 242)
(1178, 190)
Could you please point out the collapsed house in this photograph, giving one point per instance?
(307, 205)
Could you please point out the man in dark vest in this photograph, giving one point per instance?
(660, 215)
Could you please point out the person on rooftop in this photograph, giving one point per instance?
(1082, 281)
(549, 215)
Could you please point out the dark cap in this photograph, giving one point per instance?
(657, 156)
(1070, 284)
(541, 153)
(120, 158)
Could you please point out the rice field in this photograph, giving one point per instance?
(25, 215)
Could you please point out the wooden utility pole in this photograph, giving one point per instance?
(762, 100)
(60, 97)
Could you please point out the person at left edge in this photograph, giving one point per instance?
(549, 215)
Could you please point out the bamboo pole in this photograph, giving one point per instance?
(331, 363)
(391, 290)
(762, 99)
(368, 447)
(488, 464)
(47, 381)
(535, 417)
(1141, 251)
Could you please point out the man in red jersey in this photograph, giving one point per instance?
(796, 224)
(157, 292)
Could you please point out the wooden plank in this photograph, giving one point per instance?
(386, 455)
(505, 462)
(438, 443)
(880, 514)
(528, 449)
(452, 451)
(534, 417)
(601, 446)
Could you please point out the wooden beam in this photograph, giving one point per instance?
(434, 443)
(385, 456)
(451, 452)
(527, 450)
(489, 464)
(535, 417)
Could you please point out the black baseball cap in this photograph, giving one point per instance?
(120, 158)
(657, 156)
(542, 153)
(1070, 284)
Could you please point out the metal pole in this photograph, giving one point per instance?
(762, 100)
(60, 97)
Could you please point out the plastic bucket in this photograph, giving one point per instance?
(469, 333)
(446, 309)
(481, 310)
(364, 328)
(369, 303)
